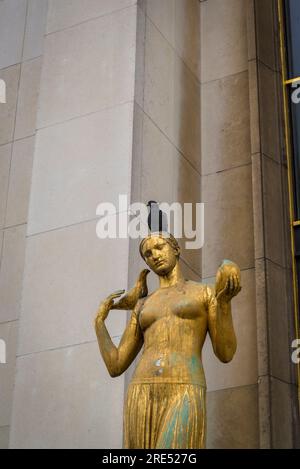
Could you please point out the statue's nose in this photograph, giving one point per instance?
(156, 255)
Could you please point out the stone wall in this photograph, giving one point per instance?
(21, 37)
(82, 157)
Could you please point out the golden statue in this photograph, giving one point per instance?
(165, 404)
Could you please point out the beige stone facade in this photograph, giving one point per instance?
(168, 100)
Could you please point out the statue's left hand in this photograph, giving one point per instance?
(228, 282)
(105, 307)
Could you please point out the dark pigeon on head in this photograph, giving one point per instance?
(157, 220)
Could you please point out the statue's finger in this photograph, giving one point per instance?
(144, 272)
(224, 290)
(116, 294)
(119, 292)
(238, 283)
(226, 287)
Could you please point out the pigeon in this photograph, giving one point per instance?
(140, 290)
(157, 219)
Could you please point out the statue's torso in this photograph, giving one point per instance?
(174, 325)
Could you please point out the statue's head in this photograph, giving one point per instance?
(161, 252)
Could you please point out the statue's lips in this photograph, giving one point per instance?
(158, 264)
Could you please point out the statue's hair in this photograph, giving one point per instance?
(167, 236)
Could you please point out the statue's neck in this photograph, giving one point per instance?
(172, 278)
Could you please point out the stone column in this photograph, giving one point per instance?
(278, 404)
(227, 194)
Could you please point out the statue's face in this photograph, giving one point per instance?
(159, 255)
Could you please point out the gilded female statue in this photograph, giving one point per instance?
(165, 404)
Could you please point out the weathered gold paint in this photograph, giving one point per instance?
(165, 405)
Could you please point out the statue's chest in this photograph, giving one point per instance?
(170, 304)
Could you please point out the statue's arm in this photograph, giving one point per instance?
(221, 330)
(220, 322)
(118, 359)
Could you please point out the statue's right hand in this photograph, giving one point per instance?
(105, 307)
